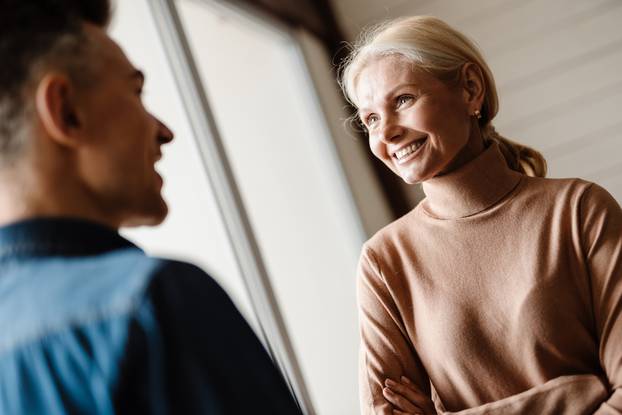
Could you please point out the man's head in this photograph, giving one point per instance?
(71, 115)
(35, 37)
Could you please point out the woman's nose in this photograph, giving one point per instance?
(390, 130)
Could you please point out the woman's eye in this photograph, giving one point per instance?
(403, 99)
(371, 120)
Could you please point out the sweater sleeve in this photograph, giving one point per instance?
(601, 220)
(385, 349)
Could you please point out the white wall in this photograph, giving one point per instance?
(557, 66)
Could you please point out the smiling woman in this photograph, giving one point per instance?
(501, 291)
(420, 126)
(439, 61)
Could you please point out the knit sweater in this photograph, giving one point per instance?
(499, 292)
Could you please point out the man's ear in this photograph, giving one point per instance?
(473, 86)
(56, 106)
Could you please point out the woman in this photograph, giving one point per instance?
(501, 291)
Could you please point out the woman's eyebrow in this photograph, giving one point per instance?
(398, 87)
(389, 95)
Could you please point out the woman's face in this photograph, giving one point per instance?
(418, 126)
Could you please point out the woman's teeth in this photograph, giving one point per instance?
(409, 149)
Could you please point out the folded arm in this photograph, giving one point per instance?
(386, 351)
(577, 394)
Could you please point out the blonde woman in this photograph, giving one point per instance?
(501, 291)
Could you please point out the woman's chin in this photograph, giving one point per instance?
(411, 175)
(411, 179)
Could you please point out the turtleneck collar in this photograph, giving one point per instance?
(472, 188)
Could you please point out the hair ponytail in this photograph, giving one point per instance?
(519, 157)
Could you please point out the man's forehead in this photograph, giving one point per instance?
(107, 49)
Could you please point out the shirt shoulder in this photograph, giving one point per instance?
(41, 296)
(186, 281)
(556, 190)
(393, 232)
(564, 201)
(596, 196)
(184, 297)
(389, 246)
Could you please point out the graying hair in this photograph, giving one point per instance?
(72, 54)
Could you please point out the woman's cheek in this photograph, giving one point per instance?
(375, 147)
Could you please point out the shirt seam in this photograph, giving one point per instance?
(378, 272)
(86, 319)
(581, 218)
(512, 400)
(376, 267)
(114, 310)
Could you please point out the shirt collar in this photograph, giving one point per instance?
(58, 237)
(472, 188)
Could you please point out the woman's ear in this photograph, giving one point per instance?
(57, 110)
(473, 86)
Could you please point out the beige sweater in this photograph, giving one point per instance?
(502, 291)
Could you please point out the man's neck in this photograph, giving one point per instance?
(26, 194)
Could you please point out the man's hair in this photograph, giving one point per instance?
(36, 35)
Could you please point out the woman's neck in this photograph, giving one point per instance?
(473, 148)
(474, 187)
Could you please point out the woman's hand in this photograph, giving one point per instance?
(405, 396)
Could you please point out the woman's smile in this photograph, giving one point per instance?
(410, 151)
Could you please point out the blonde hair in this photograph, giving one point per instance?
(433, 46)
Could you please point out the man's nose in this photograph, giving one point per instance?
(165, 135)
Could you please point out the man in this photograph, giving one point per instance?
(89, 323)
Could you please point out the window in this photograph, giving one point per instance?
(257, 192)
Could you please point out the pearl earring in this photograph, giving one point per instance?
(477, 114)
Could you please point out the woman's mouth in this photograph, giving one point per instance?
(406, 153)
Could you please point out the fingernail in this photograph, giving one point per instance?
(390, 382)
(388, 391)
(405, 379)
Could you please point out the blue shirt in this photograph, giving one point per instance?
(91, 325)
